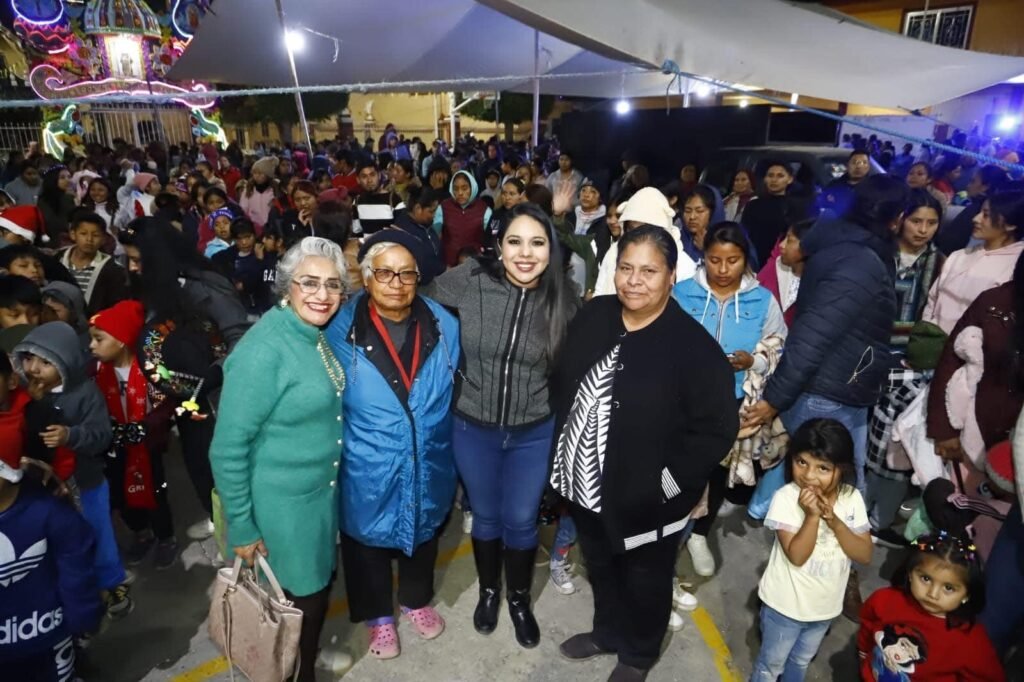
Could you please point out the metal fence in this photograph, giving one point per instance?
(137, 124)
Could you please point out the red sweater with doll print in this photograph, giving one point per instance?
(901, 642)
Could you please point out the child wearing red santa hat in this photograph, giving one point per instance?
(138, 488)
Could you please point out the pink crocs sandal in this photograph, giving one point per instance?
(427, 621)
(384, 641)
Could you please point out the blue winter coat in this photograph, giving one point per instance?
(738, 323)
(838, 344)
(397, 475)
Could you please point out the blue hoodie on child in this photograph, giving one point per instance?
(48, 587)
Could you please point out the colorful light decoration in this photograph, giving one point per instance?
(39, 12)
(57, 132)
(49, 83)
(119, 49)
(206, 130)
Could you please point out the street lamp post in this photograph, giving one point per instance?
(289, 46)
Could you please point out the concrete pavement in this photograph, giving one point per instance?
(165, 639)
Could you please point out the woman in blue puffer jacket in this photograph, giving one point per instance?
(397, 475)
(726, 299)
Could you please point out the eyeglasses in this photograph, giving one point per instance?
(311, 285)
(385, 276)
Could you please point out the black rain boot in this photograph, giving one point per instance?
(518, 576)
(487, 554)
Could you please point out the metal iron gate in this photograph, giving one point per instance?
(137, 124)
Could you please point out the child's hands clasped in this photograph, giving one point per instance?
(809, 501)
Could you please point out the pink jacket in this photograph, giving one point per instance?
(257, 206)
(967, 273)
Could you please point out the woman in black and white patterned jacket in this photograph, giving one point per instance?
(645, 409)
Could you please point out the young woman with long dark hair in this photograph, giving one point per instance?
(514, 310)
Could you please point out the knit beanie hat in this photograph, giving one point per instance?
(267, 165)
(24, 221)
(142, 180)
(648, 206)
(123, 321)
(221, 212)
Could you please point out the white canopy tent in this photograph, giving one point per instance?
(767, 43)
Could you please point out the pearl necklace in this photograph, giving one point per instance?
(331, 364)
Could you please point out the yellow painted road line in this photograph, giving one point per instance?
(338, 607)
(715, 642)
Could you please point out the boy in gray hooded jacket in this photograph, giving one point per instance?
(69, 427)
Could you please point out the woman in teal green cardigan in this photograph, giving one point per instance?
(277, 443)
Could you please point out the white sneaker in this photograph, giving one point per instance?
(129, 577)
(700, 554)
(467, 522)
(333, 660)
(681, 599)
(200, 530)
(675, 621)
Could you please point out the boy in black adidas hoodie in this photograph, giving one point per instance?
(69, 428)
(48, 587)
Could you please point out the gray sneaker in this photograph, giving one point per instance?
(561, 576)
(166, 554)
(119, 603)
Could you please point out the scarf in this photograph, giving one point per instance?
(584, 219)
(138, 471)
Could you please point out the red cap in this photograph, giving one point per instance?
(24, 221)
(123, 321)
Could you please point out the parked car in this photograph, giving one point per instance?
(813, 166)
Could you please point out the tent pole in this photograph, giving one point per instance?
(295, 77)
(437, 133)
(451, 117)
(536, 87)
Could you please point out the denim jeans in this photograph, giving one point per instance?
(1004, 583)
(504, 472)
(565, 538)
(787, 646)
(96, 510)
(810, 406)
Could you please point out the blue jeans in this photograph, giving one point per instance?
(565, 538)
(810, 406)
(96, 510)
(504, 472)
(1004, 583)
(787, 646)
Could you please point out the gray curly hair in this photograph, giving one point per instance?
(309, 246)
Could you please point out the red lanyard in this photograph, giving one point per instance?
(406, 377)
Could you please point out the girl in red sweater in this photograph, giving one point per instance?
(924, 629)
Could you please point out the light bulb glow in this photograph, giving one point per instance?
(295, 41)
(622, 107)
(744, 103)
(1008, 123)
(702, 90)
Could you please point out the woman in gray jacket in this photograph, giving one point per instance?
(514, 311)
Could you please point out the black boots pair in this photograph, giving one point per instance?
(518, 576)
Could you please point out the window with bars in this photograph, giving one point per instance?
(948, 26)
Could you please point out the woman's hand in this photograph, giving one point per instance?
(741, 360)
(759, 414)
(55, 436)
(561, 202)
(951, 450)
(306, 216)
(248, 552)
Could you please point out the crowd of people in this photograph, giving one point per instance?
(342, 338)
